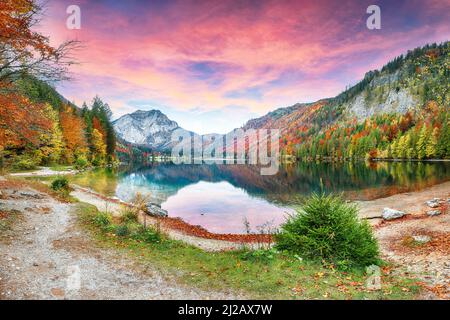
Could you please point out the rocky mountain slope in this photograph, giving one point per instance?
(151, 128)
(408, 92)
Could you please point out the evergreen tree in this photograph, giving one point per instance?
(430, 150)
(422, 143)
(103, 112)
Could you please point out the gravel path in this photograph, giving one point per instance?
(46, 256)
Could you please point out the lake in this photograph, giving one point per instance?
(221, 197)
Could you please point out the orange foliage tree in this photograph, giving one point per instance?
(74, 135)
(24, 50)
(21, 122)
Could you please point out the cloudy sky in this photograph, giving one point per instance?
(212, 65)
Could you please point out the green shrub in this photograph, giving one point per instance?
(148, 235)
(25, 164)
(326, 228)
(129, 215)
(98, 161)
(81, 163)
(122, 230)
(102, 219)
(60, 184)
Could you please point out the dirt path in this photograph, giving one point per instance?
(46, 256)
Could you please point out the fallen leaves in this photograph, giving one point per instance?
(3, 215)
(439, 243)
(442, 291)
(198, 231)
(319, 275)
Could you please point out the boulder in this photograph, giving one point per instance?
(390, 214)
(432, 213)
(155, 210)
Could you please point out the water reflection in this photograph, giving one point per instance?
(219, 197)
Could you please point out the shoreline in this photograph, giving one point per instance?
(427, 261)
(410, 202)
(413, 203)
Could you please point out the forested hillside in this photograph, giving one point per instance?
(37, 125)
(400, 111)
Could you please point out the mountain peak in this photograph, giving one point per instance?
(146, 127)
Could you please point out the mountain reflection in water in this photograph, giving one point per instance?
(220, 197)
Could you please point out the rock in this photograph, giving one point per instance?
(433, 203)
(422, 239)
(390, 214)
(432, 213)
(57, 292)
(31, 195)
(2, 195)
(155, 210)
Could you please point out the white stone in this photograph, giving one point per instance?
(390, 214)
(433, 203)
(432, 213)
(422, 239)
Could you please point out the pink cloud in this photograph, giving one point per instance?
(190, 54)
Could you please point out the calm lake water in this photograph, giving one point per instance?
(220, 197)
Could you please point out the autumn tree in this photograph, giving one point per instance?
(21, 122)
(99, 147)
(51, 142)
(26, 51)
(74, 135)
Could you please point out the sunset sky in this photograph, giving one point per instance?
(212, 65)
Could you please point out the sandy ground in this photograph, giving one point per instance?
(46, 256)
(430, 261)
(410, 202)
(43, 172)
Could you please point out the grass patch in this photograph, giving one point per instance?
(7, 220)
(259, 274)
(41, 185)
